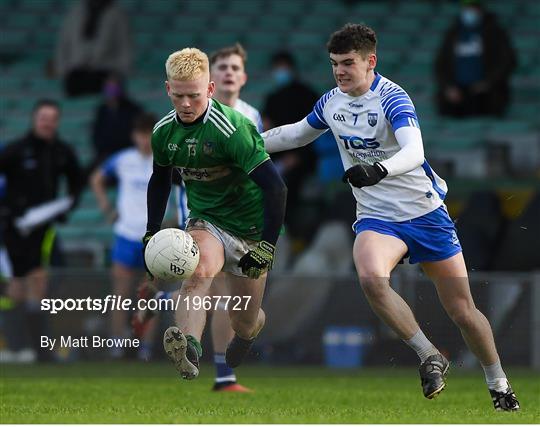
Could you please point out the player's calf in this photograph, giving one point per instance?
(237, 350)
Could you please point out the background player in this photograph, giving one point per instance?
(33, 167)
(236, 200)
(131, 168)
(400, 208)
(227, 70)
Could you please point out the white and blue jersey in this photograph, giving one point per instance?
(181, 199)
(132, 170)
(250, 112)
(363, 127)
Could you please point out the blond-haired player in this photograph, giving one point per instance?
(227, 70)
(236, 201)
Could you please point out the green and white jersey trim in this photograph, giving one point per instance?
(169, 117)
(221, 122)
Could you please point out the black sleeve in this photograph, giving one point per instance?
(274, 198)
(157, 196)
(176, 177)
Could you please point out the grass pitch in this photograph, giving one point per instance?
(153, 393)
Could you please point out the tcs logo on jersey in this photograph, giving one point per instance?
(357, 143)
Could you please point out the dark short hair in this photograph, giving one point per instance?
(144, 122)
(227, 51)
(45, 102)
(357, 37)
(283, 57)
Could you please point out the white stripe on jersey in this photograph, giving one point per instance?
(219, 125)
(167, 116)
(222, 118)
(163, 123)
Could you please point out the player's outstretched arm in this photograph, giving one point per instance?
(98, 182)
(288, 137)
(411, 153)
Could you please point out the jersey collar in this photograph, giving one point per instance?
(210, 101)
(370, 91)
(375, 82)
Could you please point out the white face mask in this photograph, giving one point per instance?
(470, 17)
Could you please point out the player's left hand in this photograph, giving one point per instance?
(365, 175)
(258, 261)
(146, 238)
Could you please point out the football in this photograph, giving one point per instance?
(171, 254)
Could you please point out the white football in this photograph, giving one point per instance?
(171, 254)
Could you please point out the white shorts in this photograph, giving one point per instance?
(234, 247)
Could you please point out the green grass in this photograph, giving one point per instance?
(151, 393)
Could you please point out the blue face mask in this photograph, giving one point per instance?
(470, 17)
(282, 76)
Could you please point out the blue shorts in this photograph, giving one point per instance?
(431, 237)
(127, 252)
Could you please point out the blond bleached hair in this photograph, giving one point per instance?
(187, 64)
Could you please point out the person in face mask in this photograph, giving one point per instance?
(113, 122)
(290, 101)
(474, 64)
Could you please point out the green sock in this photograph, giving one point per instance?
(191, 339)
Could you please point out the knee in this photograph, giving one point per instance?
(375, 288)
(463, 315)
(199, 281)
(203, 273)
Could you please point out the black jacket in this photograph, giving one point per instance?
(499, 60)
(111, 131)
(33, 168)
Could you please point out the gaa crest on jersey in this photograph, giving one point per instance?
(208, 148)
(372, 118)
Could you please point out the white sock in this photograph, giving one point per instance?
(495, 377)
(423, 347)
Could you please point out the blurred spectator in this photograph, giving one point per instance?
(33, 167)
(94, 41)
(290, 102)
(113, 122)
(474, 64)
(132, 169)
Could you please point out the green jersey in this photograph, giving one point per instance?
(214, 157)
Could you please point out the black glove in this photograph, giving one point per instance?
(146, 238)
(258, 260)
(365, 175)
